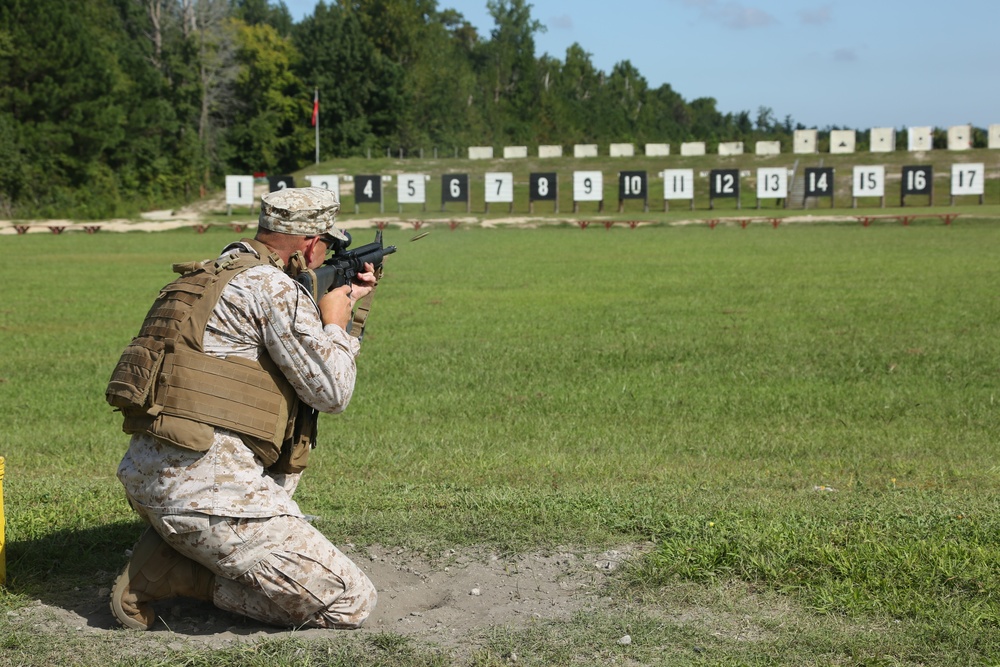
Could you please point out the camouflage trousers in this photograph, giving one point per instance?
(278, 570)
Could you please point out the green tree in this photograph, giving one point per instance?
(620, 103)
(255, 12)
(575, 94)
(509, 72)
(360, 89)
(61, 86)
(271, 102)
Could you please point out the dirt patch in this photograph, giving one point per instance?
(448, 600)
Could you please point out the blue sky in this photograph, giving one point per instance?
(853, 63)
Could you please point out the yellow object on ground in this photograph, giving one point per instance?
(3, 530)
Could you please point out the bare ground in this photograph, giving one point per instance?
(448, 600)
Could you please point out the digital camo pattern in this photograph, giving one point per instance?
(301, 211)
(278, 570)
(220, 507)
(261, 310)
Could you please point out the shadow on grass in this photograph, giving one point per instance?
(72, 572)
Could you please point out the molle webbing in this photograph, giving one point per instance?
(167, 386)
(234, 394)
(174, 308)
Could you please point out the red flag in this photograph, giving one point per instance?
(315, 108)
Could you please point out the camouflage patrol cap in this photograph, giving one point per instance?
(301, 211)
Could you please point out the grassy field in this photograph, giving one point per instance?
(806, 415)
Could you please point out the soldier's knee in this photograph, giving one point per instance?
(352, 608)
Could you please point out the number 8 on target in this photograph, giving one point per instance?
(543, 187)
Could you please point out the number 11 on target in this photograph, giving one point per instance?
(678, 184)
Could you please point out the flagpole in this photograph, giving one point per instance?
(316, 120)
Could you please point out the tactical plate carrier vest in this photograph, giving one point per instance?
(165, 385)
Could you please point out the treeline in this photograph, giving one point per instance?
(111, 106)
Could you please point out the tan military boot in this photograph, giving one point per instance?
(156, 572)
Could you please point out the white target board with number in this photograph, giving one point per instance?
(411, 188)
(588, 186)
(678, 183)
(239, 190)
(968, 179)
(772, 183)
(869, 181)
(325, 182)
(500, 187)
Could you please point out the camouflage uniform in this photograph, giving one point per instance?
(221, 508)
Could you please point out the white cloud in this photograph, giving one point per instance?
(818, 16)
(845, 55)
(732, 14)
(561, 22)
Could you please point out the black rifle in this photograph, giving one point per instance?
(344, 265)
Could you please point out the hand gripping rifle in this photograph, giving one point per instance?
(341, 269)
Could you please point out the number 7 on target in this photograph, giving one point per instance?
(500, 189)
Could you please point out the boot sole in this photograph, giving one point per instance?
(143, 550)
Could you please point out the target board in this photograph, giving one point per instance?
(543, 186)
(869, 181)
(678, 184)
(917, 180)
(325, 182)
(632, 185)
(411, 189)
(772, 183)
(239, 190)
(588, 186)
(968, 179)
(454, 188)
(368, 189)
(276, 183)
(819, 182)
(724, 183)
(499, 187)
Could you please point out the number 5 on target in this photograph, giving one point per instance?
(499, 189)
